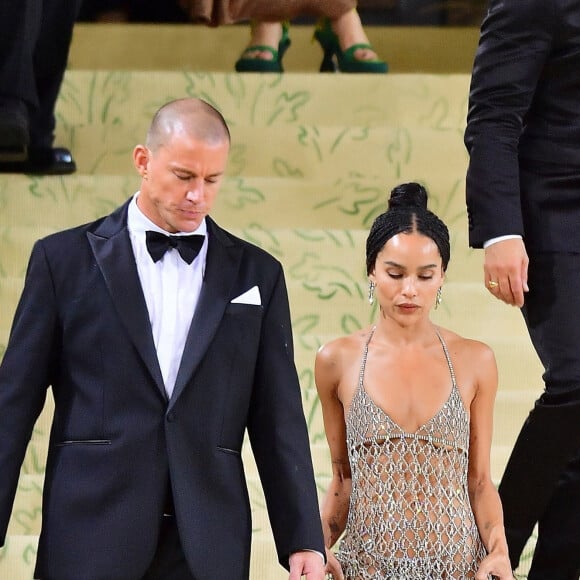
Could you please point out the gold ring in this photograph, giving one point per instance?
(493, 284)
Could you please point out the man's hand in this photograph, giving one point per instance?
(506, 271)
(306, 564)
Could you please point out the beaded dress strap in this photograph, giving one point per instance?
(447, 356)
(363, 363)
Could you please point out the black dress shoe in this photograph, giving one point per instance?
(42, 161)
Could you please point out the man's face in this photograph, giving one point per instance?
(180, 181)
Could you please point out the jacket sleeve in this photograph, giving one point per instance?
(279, 436)
(515, 42)
(25, 376)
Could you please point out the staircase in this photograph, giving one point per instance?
(313, 159)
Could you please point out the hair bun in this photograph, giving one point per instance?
(408, 195)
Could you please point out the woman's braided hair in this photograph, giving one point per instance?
(407, 213)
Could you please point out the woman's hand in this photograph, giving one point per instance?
(333, 569)
(496, 566)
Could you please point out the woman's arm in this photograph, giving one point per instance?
(484, 497)
(327, 372)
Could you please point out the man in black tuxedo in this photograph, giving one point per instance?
(162, 349)
(523, 201)
(35, 38)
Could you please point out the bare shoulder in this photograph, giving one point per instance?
(474, 365)
(335, 359)
(468, 351)
(341, 349)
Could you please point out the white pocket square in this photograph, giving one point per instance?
(251, 296)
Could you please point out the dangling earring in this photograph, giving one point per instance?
(439, 297)
(371, 292)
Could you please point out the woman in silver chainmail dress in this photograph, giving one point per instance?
(407, 410)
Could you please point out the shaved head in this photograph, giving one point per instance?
(187, 117)
(182, 164)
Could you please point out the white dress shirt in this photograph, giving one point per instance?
(171, 287)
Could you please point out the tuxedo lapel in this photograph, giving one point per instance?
(112, 249)
(222, 265)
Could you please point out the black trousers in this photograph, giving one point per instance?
(35, 37)
(169, 562)
(541, 483)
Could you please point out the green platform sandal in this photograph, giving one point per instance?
(259, 65)
(335, 60)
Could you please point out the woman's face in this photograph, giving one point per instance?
(408, 272)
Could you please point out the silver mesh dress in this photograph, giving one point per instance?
(410, 517)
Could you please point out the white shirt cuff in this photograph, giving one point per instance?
(501, 239)
(316, 552)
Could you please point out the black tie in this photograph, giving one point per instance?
(187, 246)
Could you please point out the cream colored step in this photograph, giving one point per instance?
(357, 123)
(198, 48)
(89, 98)
(33, 207)
(387, 154)
(18, 557)
(27, 510)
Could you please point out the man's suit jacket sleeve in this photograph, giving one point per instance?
(279, 436)
(515, 41)
(25, 376)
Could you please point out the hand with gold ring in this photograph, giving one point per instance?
(505, 271)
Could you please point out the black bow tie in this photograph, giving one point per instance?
(187, 246)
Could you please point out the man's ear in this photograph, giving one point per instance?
(141, 160)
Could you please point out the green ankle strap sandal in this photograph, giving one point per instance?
(335, 60)
(248, 63)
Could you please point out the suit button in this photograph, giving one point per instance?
(171, 417)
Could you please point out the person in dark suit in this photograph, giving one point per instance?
(161, 350)
(523, 201)
(35, 37)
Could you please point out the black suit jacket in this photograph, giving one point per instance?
(523, 125)
(82, 327)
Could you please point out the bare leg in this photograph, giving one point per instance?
(349, 30)
(264, 34)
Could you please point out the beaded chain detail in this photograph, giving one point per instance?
(410, 517)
